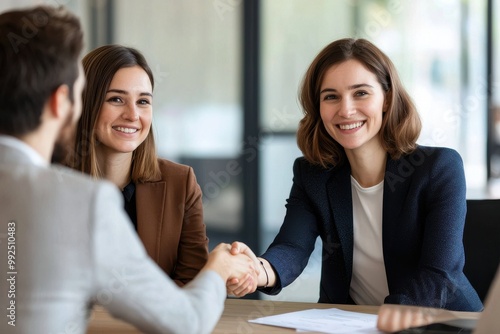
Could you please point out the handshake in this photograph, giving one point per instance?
(238, 266)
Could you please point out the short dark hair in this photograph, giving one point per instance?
(100, 66)
(401, 123)
(39, 51)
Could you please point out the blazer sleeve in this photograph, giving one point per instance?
(437, 280)
(132, 287)
(290, 251)
(193, 244)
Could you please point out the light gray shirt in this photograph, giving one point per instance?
(67, 244)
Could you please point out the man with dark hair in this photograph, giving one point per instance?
(28, 76)
(66, 243)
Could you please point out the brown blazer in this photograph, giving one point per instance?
(170, 221)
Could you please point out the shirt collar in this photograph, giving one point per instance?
(128, 191)
(27, 150)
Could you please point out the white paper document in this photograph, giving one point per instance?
(332, 321)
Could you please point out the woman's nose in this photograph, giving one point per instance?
(131, 113)
(347, 108)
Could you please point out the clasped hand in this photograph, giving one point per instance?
(237, 265)
(243, 285)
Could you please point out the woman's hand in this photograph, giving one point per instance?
(394, 318)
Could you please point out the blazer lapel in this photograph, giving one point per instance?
(149, 202)
(340, 198)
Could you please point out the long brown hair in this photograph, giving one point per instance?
(100, 65)
(400, 125)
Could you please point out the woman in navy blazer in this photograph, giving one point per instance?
(390, 213)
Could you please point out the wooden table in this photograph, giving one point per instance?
(102, 322)
(237, 312)
(235, 318)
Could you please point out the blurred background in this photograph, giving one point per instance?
(227, 74)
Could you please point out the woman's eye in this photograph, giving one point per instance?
(361, 93)
(144, 102)
(330, 97)
(115, 99)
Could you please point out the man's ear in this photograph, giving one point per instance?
(59, 102)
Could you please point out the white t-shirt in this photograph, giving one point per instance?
(369, 280)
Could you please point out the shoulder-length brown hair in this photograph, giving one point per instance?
(400, 125)
(100, 66)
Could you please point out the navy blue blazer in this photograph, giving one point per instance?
(424, 209)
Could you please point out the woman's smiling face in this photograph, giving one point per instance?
(125, 117)
(351, 105)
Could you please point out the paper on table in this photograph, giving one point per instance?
(333, 321)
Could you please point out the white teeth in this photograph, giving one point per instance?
(126, 130)
(350, 126)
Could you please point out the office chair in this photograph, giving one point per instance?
(482, 243)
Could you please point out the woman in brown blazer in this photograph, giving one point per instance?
(114, 140)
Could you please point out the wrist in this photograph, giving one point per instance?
(266, 284)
